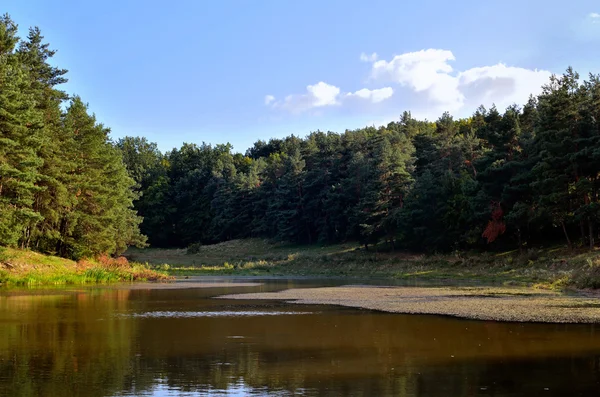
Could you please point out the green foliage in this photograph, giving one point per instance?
(501, 178)
(64, 188)
(497, 179)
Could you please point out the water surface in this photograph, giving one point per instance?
(116, 341)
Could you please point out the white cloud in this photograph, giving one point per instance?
(595, 17)
(429, 73)
(375, 96)
(423, 71)
(501, 84)
(324, 94)
(317, 95)
(321, 95)
(368, 58)
(425, 83)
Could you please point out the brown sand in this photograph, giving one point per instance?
(481, 303)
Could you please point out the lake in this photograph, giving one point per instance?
(120, 341)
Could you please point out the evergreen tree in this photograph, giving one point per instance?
(103, 219)
(556, 135)
(287, 204)
(20, 141)
(56, 149)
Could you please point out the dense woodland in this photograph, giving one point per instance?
(63, 186)
(499, 179)
(524, 175)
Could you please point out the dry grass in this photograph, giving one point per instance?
(553, 267)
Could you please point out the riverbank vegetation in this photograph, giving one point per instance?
(464, 191)
(27, 268)
(550, 268)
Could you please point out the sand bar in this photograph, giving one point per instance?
(480, 303)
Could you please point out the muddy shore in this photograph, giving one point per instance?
(480, 303)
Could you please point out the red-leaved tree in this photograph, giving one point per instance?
(496, 225)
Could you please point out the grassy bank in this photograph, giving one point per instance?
(554, 267)
(22, 267)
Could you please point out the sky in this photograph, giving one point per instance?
(238, 71)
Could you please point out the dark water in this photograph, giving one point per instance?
(142, 342)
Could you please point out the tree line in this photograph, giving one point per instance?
(505, 179)
(500, 178)
(64, 188)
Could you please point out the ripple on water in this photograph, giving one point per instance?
(224, 313)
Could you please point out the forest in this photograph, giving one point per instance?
(496, 180)
(500, 179)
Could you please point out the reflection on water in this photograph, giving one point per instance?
(224, 313)
(120, 342)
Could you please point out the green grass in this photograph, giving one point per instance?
(552, 267)
(28, 268)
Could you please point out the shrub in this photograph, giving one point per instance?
(194, 248)
(113, 263)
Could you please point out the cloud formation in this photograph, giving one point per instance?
(317, 95)
(595, 17)
(423, 71)
(323, 94)
(375, 96)
(427, 82)
(368, 58)
(269, 99)
(429, 73)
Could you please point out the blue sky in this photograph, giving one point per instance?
(238, 71)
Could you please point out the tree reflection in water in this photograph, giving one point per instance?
(98, 342)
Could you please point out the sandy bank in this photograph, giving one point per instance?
(500, 304)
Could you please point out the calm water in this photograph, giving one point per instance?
(142, 342)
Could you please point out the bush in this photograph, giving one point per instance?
(113, 263)
(194, 248)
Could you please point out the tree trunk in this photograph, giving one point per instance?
(520, 239)
(583, 233)
(564, 228)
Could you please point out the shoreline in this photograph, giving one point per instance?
(475, 303)
(550, 268)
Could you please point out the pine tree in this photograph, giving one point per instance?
(20, 141)
(556, 136)
(56, 150)
(287, 205)
(103, 219)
